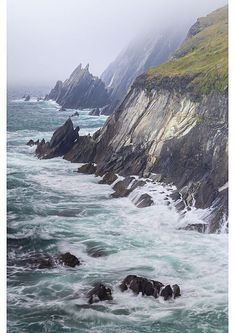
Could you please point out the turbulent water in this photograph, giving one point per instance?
(52, 209)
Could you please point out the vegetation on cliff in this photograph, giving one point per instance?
(203, 57)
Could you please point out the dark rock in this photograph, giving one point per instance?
(88, 168)
(69, 259)
(120, 190)
(75, 114)
(83, 151)
(62, 109)
(95, 112)
(145, 200)
(27, 98)
(200, 227)
(141, 285)
(30, 143)
(166, 292)
(176, 290)
(99, 293)
(109, 178)
(82, 90)
(137, 183)
(61, 142)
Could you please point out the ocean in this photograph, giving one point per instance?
(52, 210)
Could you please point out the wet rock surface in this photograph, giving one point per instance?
(149, 287)
(99, 293)
(145, 200)
(109, 178)
(200, 227)
(88, 168)
(69, 259)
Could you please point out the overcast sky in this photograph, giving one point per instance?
(47, 39)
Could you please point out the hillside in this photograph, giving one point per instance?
(203, 57)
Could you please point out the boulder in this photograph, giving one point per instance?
(99, 293)
(120, 190)
(145, 200)
(176, 290)
(69, 259)
(88, 168)
(166, 292)
(109, 178)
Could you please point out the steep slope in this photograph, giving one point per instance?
(142, 54)
(81, 90)
(174, 121)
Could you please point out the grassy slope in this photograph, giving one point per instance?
(203, 56)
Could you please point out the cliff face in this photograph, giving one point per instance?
(82, 90)
(173, 122)
(140, 55)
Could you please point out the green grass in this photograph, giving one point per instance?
(203, 57)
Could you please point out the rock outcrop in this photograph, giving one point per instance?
(61, 142)
(82, 90)
(148, 287)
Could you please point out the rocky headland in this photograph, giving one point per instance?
(172, 127)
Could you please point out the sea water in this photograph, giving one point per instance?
(52, 210)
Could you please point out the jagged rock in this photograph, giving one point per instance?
(27, 98)
(61, 142)
(145, 200)
(95, 112)
(109, 178)
(88, 168)
(82, 90)
(121, 190)
(99, 293)
(32, 143)
(166, 292)
(69, 259)
(200, 227)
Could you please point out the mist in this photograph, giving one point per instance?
(47, 39)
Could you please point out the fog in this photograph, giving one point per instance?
(47, 39)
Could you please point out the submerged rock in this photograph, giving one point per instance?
(88, 168)
(69, 259)
(75, 114)
(62, 109)
(99, 293)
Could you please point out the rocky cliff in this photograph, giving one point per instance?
(82, 90)
(141, 54)
(173, 123)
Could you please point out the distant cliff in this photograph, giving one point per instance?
(143, 53)
(82, 90)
